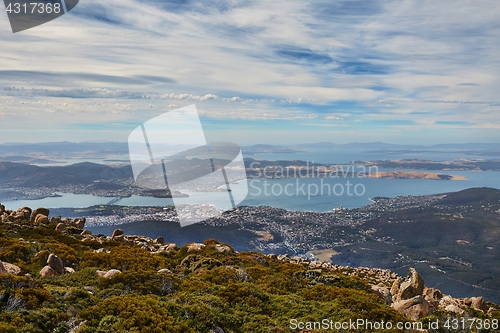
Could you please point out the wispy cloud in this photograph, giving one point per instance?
(373, 66)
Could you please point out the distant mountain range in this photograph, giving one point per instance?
(118, 148)
(80, 173)
(387, 146)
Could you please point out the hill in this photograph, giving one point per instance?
(60, 278)
(80, 173)
(63, 279)
(452, 240)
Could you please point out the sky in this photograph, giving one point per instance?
(259, 72)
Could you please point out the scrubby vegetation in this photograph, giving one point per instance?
(202, 290)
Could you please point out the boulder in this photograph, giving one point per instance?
(25, 212)
(6, 268)
(61, 227)
(454, 308)
(433, 296)
(119, 238)
(112, 272)
(55, 263)
(100, 273)
(412, 286)
(466, 301)
(478, 303)
(102, 250)
(43, 211)
(48, 271)
(172, 246)
(80, 222)
(2, 209)
(284, 257)
(383, 292)
(165, 271)
(415, 308)
(492, 311)
(448, 303)
(86, 233)
(116, 233)
(223, 248)
(55, 220)
(68, 270)
(159, 240)
(395, 286)
(41, 219)
(195, 247)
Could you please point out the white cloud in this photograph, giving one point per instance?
(251, 60)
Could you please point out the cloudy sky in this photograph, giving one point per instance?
(265, 71)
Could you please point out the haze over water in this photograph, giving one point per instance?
(301, 193)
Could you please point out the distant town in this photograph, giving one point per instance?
(292, 231)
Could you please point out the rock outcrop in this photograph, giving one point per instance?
(112, 272)
(48, 271)
(39, 216)
(407, 295)
(6, 268)
(193, 247)
(409, 288)
(55, 267)
(55, 263)
(415, 308)
(118, 235)
(41, 219)
(41, 211)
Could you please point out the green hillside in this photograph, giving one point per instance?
(202, 291)
(59, 278)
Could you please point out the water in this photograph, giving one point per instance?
(345, 156)
(311, 199)
(304, 193)
(301, 193)
(318, 155)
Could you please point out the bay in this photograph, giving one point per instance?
(304, 194)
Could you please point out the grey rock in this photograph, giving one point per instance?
(159, 240)
(117, 232)
(80, 222)
(41, 219)
(61, 227)
(55, 220)
(411, 287)
(55, 263)
(43, 211)
(415, 308)
(6, 268)
(69, 270)
(112, 272)
(48, 271)
(478, 303)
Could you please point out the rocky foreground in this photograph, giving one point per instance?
(407, 295)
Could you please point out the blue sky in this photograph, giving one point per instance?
(275, 72)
